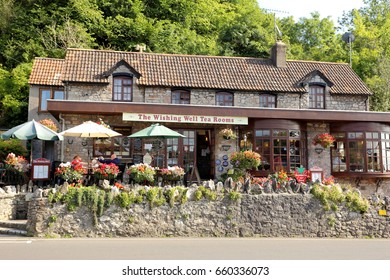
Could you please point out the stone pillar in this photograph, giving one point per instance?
(318, 158)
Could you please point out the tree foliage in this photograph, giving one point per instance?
(43, 28)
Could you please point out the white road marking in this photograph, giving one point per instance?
(14, 241)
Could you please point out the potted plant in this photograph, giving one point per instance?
(245, 160)
(227, 134)
(106, 171)
(324, 139)
(16, 163)
(69, 173)
(172, 173)
(141, 173)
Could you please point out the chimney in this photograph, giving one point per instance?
(278, 54)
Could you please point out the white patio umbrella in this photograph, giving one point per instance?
(90, 129)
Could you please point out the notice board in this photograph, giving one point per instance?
(40, 169)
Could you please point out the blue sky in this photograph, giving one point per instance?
(303, 8)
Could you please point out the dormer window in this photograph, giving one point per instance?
(224, 98)
(316, 97)
(180, 96)
(123, 88)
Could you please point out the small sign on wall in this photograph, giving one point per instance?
(382, 212)
(316, 174)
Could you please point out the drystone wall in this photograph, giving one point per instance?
(264, 215)
(12, 206)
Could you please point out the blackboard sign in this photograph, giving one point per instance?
(137, 159)
(137, 145)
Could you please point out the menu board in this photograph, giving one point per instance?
(40, 169)
(41, 172)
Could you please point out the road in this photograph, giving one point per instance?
(14, 248)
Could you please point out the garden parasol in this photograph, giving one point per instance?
(31, 130)
(90, 129)
(157, 131)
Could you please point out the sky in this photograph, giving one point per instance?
(303, 8)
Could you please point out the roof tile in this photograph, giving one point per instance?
(196, 71)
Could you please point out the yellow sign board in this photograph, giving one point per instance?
(382, 213)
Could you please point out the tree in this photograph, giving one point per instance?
(14, 92)
(370, 53)
(313, 39)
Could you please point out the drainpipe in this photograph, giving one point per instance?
(62, 142)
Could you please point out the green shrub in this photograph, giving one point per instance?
(155, 197)
(233, 195)
(356, 203)
(334, 195)
(12, 146)
(206, 193)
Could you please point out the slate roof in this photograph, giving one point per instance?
(196, 71)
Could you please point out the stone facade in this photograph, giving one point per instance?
(13, 206)
(266, 215)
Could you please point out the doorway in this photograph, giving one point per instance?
(194, 148)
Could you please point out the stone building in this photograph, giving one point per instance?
(275, 107)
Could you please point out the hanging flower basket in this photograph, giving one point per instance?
(227, 134)
(245, 160)
(324, 139)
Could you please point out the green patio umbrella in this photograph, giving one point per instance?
(156, 131)
(31, 130)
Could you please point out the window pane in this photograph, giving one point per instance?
(373, 156)
(45, 95)
(316, 97)
(338, 157)
(224, 99)
(59, 95)
(122, 88)
(262, 133)
(180, 97)
(267, 101)
(356, 159)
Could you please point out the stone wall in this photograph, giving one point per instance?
(265, 215)
(12, 206)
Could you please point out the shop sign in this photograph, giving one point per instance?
(139, 117)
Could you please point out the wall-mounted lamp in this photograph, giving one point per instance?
(225, 148)
(319, 150)
(70, 141)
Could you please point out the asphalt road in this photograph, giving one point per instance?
(14, 248)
